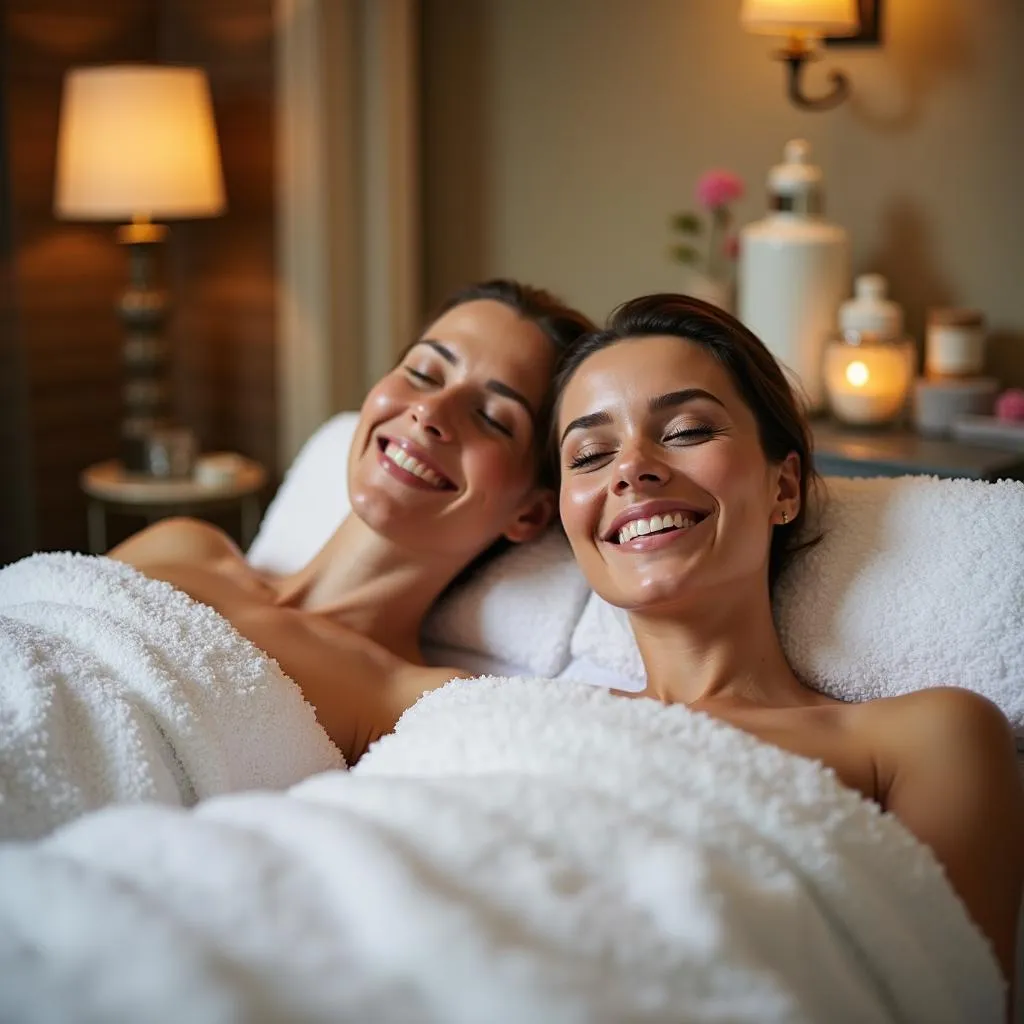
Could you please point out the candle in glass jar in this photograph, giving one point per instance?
(867, 384)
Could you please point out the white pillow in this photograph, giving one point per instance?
(310, 503)
(916, 582)
(517, 613)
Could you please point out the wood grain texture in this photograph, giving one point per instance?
(63, 338)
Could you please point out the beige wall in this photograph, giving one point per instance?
(560, 135)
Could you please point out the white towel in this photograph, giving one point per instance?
(118, 688)
(918, 582)
(517, 851)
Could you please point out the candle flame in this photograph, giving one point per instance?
(857, 374)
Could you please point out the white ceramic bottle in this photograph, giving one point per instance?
(793, 271)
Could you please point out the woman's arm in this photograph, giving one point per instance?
(955, 785)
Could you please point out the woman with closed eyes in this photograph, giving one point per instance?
(444, 466)
(685, 465)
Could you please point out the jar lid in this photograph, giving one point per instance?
(953, 316)
(869, 312)
(795, 185)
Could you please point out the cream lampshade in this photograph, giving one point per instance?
(809, 17)
(803, 23)
(137, 142)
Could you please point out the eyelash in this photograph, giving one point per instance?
(424, 378)
(705, 433)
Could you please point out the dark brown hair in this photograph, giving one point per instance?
(782, 426)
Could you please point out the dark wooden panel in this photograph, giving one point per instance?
(64, 279)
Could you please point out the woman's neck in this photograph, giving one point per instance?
(375, 587)
(718, 652)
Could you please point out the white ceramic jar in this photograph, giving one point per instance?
(793, 272)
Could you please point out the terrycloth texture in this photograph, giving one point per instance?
(916, 582)
(515, 852)
(117, 688)
(518, 611)
(521, 608)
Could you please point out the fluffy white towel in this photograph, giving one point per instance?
(515, 852)
(519, 610)
(117, 688)
(916, 582)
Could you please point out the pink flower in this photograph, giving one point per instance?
(731, 247)
(718, 188)
(1010, 405)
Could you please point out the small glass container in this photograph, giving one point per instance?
(868, 377)
(170, 453)
(955, 343)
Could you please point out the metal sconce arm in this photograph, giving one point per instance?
(795, 61)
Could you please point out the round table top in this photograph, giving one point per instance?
(218, 476)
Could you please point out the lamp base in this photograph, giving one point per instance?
(143, 310)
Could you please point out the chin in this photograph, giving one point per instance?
(648, 592)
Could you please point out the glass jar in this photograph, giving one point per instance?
(868, 377)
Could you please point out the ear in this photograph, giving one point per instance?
(787, 488)
(533, 516)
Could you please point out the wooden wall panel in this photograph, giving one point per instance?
(225, 277)
(65, 277)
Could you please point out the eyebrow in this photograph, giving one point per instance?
(496, 386)
(676, 398)
(670, 400)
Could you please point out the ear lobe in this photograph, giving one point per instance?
(533, 518)
(789, 483)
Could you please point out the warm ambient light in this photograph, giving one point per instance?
(137, 141)
(802, 23)
(867, 380)
(857, 374)
(812, 17)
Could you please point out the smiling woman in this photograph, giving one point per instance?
(444, 464)
(685, 465)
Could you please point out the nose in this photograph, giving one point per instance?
(431, 413)
(636, 470)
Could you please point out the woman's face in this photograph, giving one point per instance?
(666, 495)
(444, 457)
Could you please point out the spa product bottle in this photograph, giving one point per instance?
(793, 272)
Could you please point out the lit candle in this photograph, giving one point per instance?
(867, 384)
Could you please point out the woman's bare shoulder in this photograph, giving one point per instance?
(950, 717)
(178, 540)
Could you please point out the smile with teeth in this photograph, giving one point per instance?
(411, 464)
(656, 524)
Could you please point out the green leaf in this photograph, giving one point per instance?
(683, 254)
(688, 223)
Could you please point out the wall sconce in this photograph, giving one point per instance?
(803, 23)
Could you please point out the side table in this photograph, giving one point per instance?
(842, 451)
(110, 489)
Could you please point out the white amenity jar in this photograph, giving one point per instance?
(793, 272)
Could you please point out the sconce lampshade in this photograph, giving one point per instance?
(812, 17)
(137, 141)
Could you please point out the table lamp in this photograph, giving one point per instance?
(138, 142)
(803, 23)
